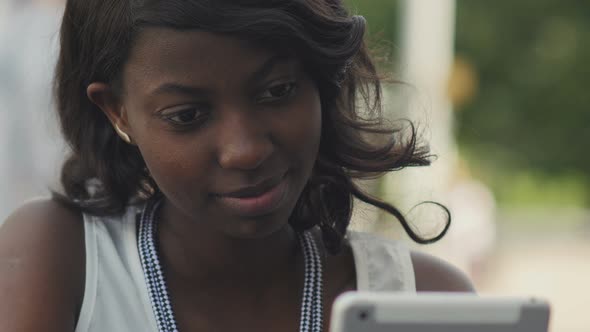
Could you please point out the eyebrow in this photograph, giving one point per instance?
(262, 72)
(268, 66)
(176, 88)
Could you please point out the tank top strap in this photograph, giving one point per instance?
(115, 296)
(381, 264)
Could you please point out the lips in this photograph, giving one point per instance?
(253, 191)
(261, 199)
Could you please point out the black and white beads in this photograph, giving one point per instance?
(312, 299)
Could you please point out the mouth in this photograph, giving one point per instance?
(256, 190)
(254, 201)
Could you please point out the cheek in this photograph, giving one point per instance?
(175, 164)
(302, 129)
(311, 124)
(167, 154)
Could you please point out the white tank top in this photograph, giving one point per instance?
(116, 297)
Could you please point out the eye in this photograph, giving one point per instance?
(278, 92)
(185, 116)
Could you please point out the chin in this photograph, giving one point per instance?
(262, 226)
(259, 227)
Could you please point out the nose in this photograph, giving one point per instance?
(244, 141)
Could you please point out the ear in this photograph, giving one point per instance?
(103, 96)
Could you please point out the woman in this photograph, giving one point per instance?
(209, 188)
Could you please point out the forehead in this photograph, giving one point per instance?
(161, 54)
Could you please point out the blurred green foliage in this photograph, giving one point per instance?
(527, 127)
(531, 109)
(382, 16)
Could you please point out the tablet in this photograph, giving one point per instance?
(437, 312)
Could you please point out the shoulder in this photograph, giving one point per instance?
(382, 264)
(43, 223)
(435, 275)
(371, 239)
(42, 258)
(386, 256)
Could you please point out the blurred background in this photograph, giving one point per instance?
(498, 89)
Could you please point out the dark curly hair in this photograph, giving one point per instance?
(96, 38)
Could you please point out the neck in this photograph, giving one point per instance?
(202, 256)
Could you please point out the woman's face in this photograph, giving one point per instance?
(229, 132)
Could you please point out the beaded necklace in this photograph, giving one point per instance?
(311, 305)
